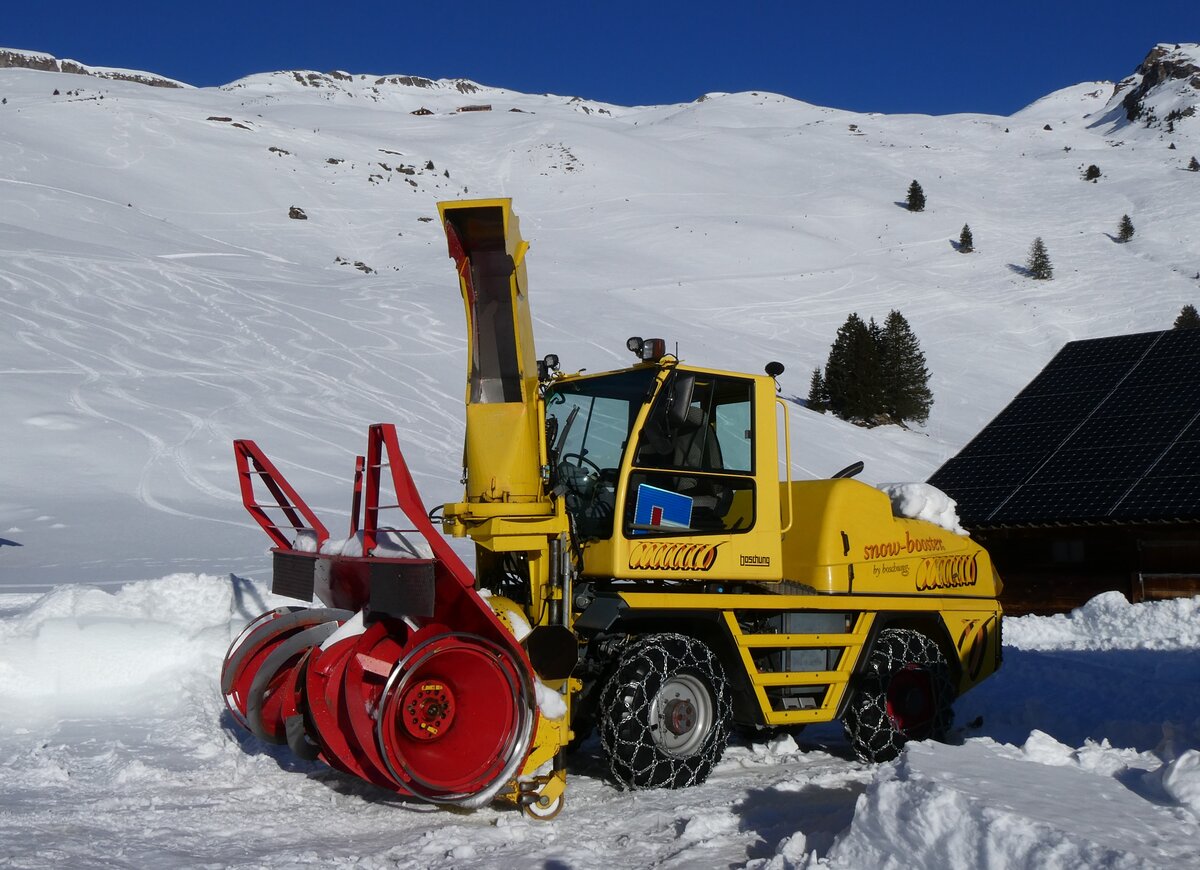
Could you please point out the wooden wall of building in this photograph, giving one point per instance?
(1053, 570)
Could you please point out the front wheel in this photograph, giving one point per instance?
(905, 694)
(665, 714)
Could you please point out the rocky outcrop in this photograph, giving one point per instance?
(461, 85)
(408, 81)
(1163, 65)
(14, 58)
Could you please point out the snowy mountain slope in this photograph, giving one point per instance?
(159, 301)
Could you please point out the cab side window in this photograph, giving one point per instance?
(695, 459)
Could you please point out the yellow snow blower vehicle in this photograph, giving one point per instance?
(640, 569)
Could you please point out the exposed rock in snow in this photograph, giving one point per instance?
(1162, 93)
(19, 58)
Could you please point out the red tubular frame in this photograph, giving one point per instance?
(381, 439)
(248, 454)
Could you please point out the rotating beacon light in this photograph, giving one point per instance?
(647, 349)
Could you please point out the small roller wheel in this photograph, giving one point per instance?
(905, 694)
(544, 809)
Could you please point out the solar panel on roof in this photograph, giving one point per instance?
(1182, 459)
(1109, 430)
(1115, 348)
(1050, 406)
(1061, 501)
(1142, 429)
(1063, 379)
(1163, 499)
(1095, 463)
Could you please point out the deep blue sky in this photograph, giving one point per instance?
(931, 57)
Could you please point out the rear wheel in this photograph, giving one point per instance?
(905, 694)
(665, 713)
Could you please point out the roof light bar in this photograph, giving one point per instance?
(647, 349)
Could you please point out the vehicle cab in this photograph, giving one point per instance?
(668, 471)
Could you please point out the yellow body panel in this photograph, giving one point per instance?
(972, 627)
(845, 539)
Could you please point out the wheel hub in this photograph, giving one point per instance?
(680, 715)
(683, 715)
(910, 701)
(428, 709)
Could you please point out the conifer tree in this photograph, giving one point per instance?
(916, 197)
(1188, 318)
(1125, 229)
(904, 377)
(1039, 265)
(852, 373)
(966, 241)
(817, 397)
(1194, 165)
(1091, 173)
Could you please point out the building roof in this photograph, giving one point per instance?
(1109, 432)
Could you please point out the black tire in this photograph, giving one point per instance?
(665, 713)
(905, 694)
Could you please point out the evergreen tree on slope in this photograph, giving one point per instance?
(852, 373)
(818, 399)
(916, 197)
(1125, 229)
(903, 373)
(1039, 265)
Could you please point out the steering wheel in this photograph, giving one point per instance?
(581, 475)
(583, 460)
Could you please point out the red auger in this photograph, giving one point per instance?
(403, 676)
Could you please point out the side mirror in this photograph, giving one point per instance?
(680, 399)
(774, 369)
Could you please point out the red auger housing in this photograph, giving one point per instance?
(404, 677)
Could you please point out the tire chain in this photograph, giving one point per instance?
(634, 759)
(868, 727)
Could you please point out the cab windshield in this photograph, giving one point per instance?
(588, 423)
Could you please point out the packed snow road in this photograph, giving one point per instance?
(116, 751)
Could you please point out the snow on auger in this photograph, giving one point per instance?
(640, 569)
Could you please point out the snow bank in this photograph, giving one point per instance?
(1109, 671)
(81, 650)
(920, 501)
(984, 805)
(1110, 622)
(1180, 780)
